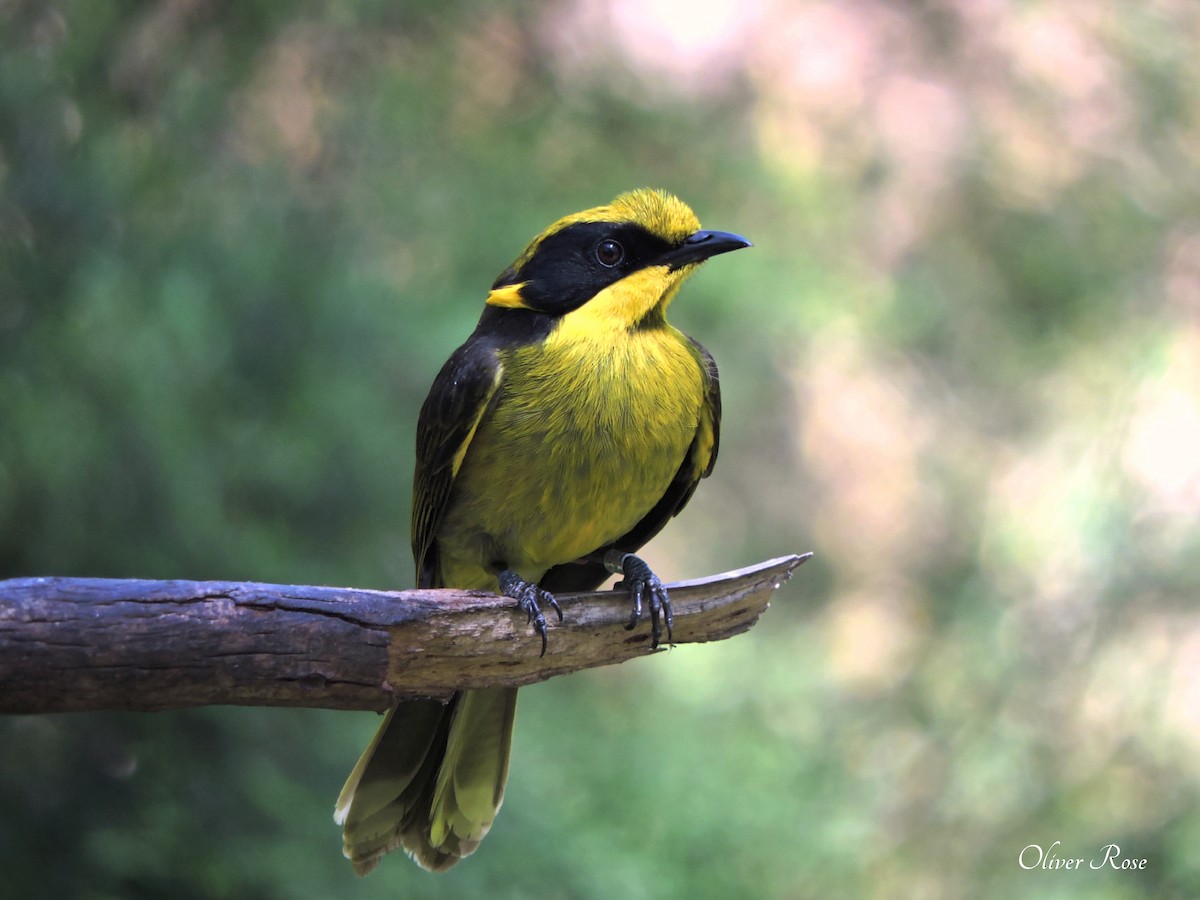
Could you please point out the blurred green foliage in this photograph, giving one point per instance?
(962, 364)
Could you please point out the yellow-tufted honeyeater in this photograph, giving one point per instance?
(564, 434)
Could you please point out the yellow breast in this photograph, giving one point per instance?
(586, 434)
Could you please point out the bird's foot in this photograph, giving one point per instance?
(642, 584)
(529, 598)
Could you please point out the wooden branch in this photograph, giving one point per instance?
(73, 644)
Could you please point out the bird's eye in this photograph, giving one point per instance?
(609, 253)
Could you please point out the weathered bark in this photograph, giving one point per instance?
(71, 644)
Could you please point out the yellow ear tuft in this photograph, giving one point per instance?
(508, 296)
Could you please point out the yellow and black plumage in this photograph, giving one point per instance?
(563, 435)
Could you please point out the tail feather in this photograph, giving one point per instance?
(470, 784)
(430, 781)
(391, 760)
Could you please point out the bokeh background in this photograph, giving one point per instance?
(962, 364)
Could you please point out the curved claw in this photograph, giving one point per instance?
(528, 596)
(639, 579)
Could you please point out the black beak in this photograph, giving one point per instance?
(700, 246)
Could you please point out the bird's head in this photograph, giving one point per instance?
(622, 262)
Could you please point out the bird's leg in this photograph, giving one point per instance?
(641, 582)
(528, 597)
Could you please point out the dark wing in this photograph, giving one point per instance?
(461, 396)
(697, 464)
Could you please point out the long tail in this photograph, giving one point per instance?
(431, 780)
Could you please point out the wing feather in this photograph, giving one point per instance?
(460, 398)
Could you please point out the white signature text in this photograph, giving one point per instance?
(1033, 856)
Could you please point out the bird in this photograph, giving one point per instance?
(564, 434)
